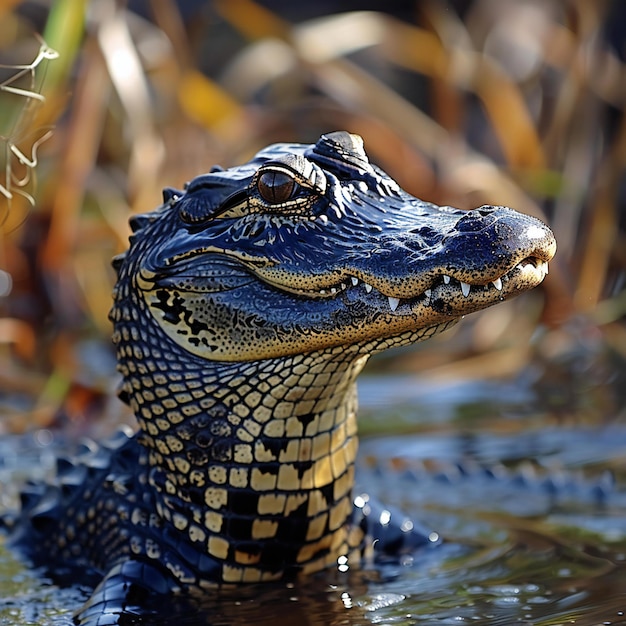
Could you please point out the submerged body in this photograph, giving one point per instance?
(244, 310)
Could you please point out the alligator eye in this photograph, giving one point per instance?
(276, 187)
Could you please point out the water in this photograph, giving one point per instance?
(534, 526)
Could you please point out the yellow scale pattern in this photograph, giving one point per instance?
(263, 459)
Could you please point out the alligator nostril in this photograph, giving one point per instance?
(471, 222)
(476, 219)
(486, 210)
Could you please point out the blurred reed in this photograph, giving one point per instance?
(465, 103)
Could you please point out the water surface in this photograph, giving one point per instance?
(529, 507)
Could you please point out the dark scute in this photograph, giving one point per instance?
(345, 146)
(117, 261)
(170, 193)
(139, 221)
(31, 494)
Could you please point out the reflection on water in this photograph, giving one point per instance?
(535, 528)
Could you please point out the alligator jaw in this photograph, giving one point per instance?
(466, 297)
(523, 276)
(487, 256)
(534, 271)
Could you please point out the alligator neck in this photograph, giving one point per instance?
(254, 460)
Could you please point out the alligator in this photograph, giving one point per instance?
(244, 309)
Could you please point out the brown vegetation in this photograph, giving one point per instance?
(464, 103)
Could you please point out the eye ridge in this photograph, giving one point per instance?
(276, 187)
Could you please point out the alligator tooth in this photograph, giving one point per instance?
(343, 286)
(546, 268)
(368, 288)
(428, 293)
(465, 288)
(322, 292)
(497, 283)
(446, 279)
(333, 291)
(355, 281)
(393, 303)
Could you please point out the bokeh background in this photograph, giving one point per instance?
(463, 102)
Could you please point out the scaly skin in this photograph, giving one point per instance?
(245, 308)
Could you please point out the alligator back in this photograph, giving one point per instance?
(80, 521)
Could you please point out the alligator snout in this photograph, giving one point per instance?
(497, 236)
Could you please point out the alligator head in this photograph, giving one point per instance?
(310, 247)
(244, 310)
